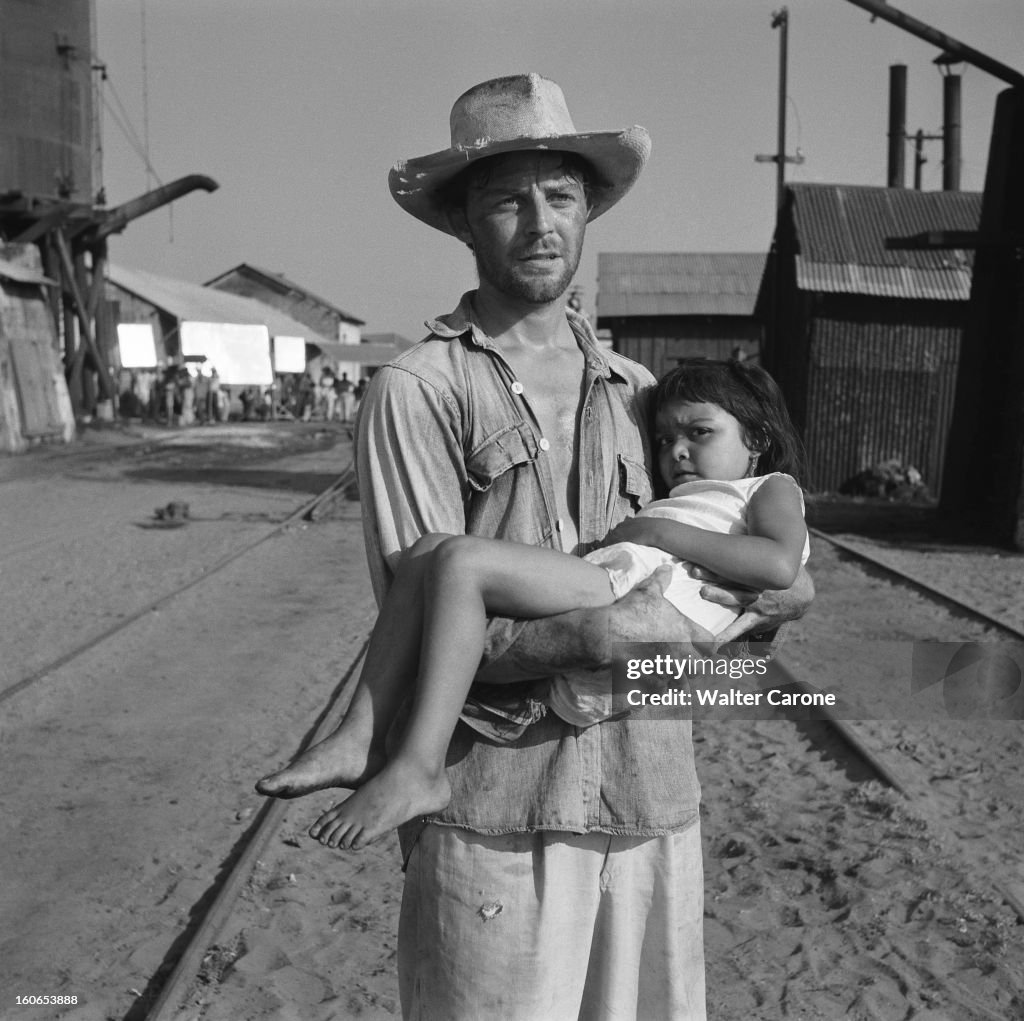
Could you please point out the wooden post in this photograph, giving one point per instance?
(74, 277)
(984, 473)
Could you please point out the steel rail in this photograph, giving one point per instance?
(170, 1000)
(310, 510)
(905, 576)
(890, 772)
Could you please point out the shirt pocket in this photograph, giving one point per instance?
(512, 447)
(634, 483)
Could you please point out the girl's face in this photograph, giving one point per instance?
(699, 441)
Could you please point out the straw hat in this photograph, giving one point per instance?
(513, 114)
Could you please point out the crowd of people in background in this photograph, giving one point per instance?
(189, 395)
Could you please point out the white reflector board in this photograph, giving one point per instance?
(136, 345)
(290, 354)
(240, 354)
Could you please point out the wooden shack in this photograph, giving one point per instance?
(864, 338)
(660, 307)
(34, 401)
(170, 305)
(334, 329)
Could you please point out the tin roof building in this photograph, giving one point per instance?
(660, 307)
(864, 326)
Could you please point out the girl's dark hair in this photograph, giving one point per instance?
(750, 395)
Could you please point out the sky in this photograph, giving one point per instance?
(298, 108)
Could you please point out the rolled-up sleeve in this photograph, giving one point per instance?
(410, 468)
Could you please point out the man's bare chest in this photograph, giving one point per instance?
(552, 387)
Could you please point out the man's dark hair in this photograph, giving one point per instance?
(453, 192)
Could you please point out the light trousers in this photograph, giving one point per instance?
(552, 927)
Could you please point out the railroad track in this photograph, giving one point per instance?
(311, 510)
(882, 761)
(879, 762)
(920, 584)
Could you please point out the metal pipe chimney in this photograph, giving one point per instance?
(897, 125)
(951, 132)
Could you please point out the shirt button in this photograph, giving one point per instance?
(516, 387)
(544, 445)
(558, 525)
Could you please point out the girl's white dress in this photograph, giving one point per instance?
(583, 697)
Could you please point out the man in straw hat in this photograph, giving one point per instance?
(564, 879)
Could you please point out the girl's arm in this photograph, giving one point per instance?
(768, 557)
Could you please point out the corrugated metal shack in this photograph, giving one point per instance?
(864, 340)
(660, 307)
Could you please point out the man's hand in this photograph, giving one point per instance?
(759, 611)
(644, 615)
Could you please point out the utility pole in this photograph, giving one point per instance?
(919, 157)
(780, 20)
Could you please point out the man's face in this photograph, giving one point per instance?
(525, 220)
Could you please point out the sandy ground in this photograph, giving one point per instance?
(128, 772)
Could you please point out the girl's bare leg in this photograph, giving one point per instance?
(354, 752)
(467, 579)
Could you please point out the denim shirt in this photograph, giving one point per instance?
(447, 442)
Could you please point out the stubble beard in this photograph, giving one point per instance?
(534, 290)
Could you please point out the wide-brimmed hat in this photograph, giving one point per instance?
(513, 114)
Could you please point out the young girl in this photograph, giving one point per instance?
(726, 453)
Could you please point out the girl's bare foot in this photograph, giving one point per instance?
(340, 760)
(399, 792)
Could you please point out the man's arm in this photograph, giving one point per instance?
(761, 613)
(587, 638)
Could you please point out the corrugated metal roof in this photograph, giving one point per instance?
(196, 303)
(677, 283)
(841, 232)
(288, 285)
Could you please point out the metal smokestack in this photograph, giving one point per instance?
(951, 132)
(897, 125)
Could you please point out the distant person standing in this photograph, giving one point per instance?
(307, 397)
(213, 398)
(201, 389)
(346, 397)
(328, 398)
(186, 388)
(358, 394)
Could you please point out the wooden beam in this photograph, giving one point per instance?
(82, 309)
(115, 220)
(934, 240)
(47, 222)
(963, 52)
